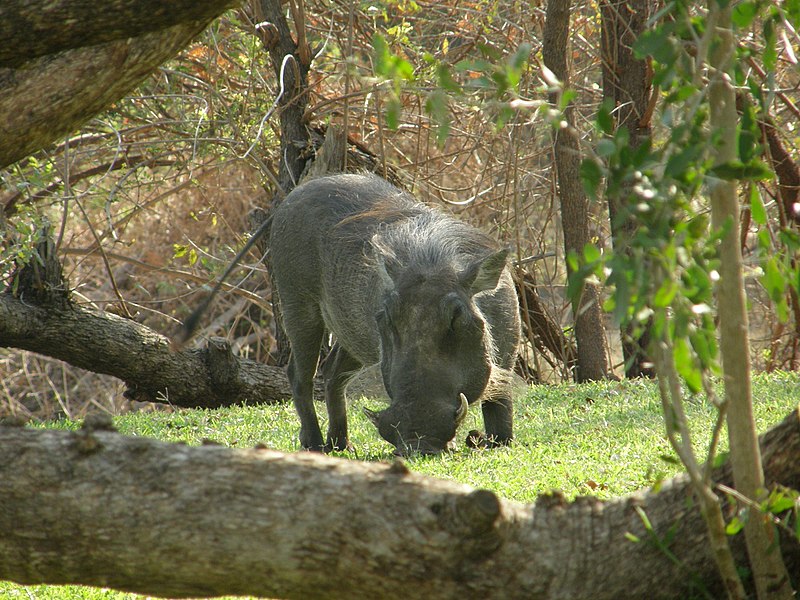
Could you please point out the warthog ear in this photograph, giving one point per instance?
(484, 273)
(385, 261)
(371, 415)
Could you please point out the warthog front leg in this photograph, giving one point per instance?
(305, 333)
(498, 418)
(337, 370)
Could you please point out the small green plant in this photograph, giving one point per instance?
(680, 273)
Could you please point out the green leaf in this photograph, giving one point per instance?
(720, 459)
(757, 211)
(665, 294)
(705, 347)
(773, 280)
(381, 55)
(437, 107)
(388, 64)
(681, 93)
(605, 120)
(669, 459)
(734, 526)
(446, 80)
(681, 162)
(519, 59)
(393, 111)
(698, 226)
(479, 66)
(770, 53)
(797, 528)
(566, 98)
(744, 13)
(749, 134)
(775, 285)
(685, 365)
(755, 170)
(592, 254)
(792, 11)
(504, 115)
(764, 239)
(780, 503)
(490, 52)
(606, 148)
(658, 43)
(790, 239)
(591, 176)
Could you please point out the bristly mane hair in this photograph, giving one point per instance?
(431, 238)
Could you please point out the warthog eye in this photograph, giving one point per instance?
(457, 311)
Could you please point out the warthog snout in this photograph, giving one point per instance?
(407, 442)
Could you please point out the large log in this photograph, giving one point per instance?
(97, 508)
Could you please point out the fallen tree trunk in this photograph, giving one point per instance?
(97, 508)
(103, 342)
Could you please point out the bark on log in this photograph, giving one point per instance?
(34, 29)
(50, 95)
(97, 508)
(103, 342)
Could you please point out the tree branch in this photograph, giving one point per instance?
(97, 508)
(50, 95)
(34, 29)
(103, 342)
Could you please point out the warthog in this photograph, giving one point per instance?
(400, 284)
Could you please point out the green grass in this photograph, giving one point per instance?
(604, 439)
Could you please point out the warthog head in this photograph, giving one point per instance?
(436, 347)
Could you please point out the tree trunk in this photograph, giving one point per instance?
(627, 88)
(589, 332)
(290, 61)
(541, 330)
(50, 95)
(768, 569)
(96, 508)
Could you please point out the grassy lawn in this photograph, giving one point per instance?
(604, 439)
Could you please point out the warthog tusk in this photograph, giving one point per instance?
(461, 411)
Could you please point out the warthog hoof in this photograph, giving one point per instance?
(338, 447)
(477, 439)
